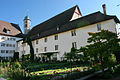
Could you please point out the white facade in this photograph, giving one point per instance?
(66, 40)
(7, 46)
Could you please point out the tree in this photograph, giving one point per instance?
(16, 56)
(29, 42)
(72, 55)
(101, 49)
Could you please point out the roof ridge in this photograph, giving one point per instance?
(86, 15)
(56, 20)
(16, 26)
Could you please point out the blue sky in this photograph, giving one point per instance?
(14, 11)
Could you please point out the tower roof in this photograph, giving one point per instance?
(26, 18)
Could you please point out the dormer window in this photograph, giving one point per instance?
(58, 28)
(6, 31)
(38, 34)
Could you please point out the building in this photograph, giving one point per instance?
(68, 29)
(9, 34)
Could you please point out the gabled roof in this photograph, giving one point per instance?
(62, 21)
(55, 21)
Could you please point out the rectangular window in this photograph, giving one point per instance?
(36, 41)
(8, 38)
(54, 56)
(7, 45)
(73, 33)
(11, 51)
(2, 44)
(56, 47)
(98, 27)
(45, 49)
(74, 45)
(36, 50)
(13, 45)
(11, 39)
(3, 38)
(45, 39)
(7, 51)
(14, 39)
(56, 37)
(2, 51)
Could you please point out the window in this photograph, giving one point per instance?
(98, 27)
(58, 28)
(5, 30)
(25, 21)
(7, 51)
(36, 50)
(36, 41)
(45, 39)
(7, 45)
(8, 38)
(54, 56)
(56, 47)
(13, 39)
(10, 45)
(56, 37)
(2, 51)
(45, 49)
(74, 45)
(2, 44)
(25, 25)
(13, 45)
(3, 38)
(73, 33)
(11, 51)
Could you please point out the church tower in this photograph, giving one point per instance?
(27, 23)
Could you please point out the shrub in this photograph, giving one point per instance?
(18, 74)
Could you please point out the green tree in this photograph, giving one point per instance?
(72, 55)
(101, 49)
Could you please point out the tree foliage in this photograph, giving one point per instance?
(73, 55)
(101, 48)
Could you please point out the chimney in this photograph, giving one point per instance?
(104, 9)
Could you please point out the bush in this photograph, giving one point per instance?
(18, 74)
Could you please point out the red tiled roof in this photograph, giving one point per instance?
(13, 29)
